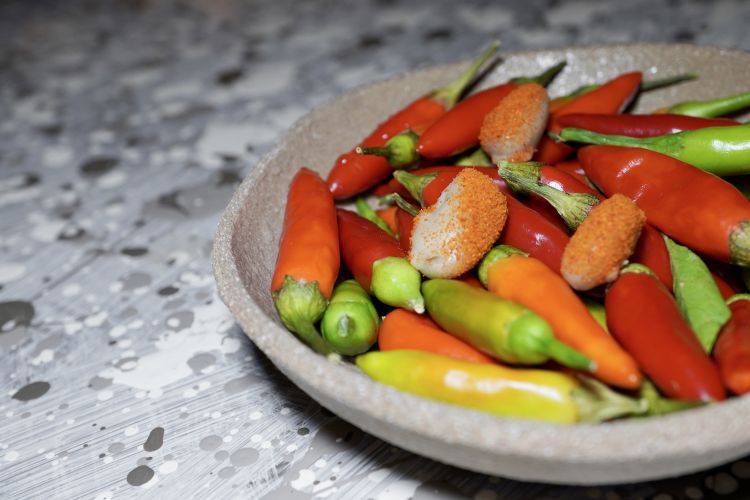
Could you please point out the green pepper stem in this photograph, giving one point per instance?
(478, 158)
(669, 144)
(739, 244)
(494, 255)
(544, 78)
(400, 202)
(414, 184)
(397, 283)
(350, 323)
(658, 83)
(531, 341)
(596, 402)
(712, 108)
(365, 210)
(524, 178)
(300, 306)
(658, 405)
(451, 93)
(382, 151)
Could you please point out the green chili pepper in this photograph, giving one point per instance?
(499, 327)
(365, 210)
(597, 311)
(350, 323)
(400, 150)
(718, 150)
(711, 108)
(697, 295)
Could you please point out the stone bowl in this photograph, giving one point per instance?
(244, 255)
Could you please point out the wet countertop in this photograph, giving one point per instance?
(126, 126)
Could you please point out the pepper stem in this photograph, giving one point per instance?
(478, 158)
(400, 150)
(397, 283)
(712, 108)
(400, 202)
(738, 296)
(658, 83)
(637, 268)
(494, 255)
(524, 178)
(531, 340)
(415, 184)
(669, 144)
(739, 244)
(658, 405)
(596, 402)
(300, 305)
(451, 93)
(544, 78)
(365, 210)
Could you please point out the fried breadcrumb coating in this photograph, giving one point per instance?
(602, 243)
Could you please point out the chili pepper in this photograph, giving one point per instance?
(645, 319)
(498, 327)
(399, 151)
(513, 275)
(406, 330)
(470, 279)
(365, 211)
(308, 259)
(639, 125)
(610, 98)
(524, 393)
(388, 215)
(458, 130)
(596, 310)
(725, 289)
(350, 323)
(378, 263)
(710, 108)
(353, 173)
(524, 228)
(732, 349)
(719, 150)
(405, 224)
(689, 205)
(651, 251)
(645, 86)
(697, 294)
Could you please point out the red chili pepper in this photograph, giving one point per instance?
(696, 208)
(458, 130)
(640, 125)
(724, 288)
(354, 173)
(525, 228)
(308, 259)
(651, 251)
(612, 97)
(378, 263)
(732, 349)
(405, 224)
(643, 316)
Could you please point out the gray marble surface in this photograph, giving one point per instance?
(126, 126)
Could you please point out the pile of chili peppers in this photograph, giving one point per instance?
(668, 330)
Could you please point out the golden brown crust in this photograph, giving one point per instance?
(513, 128)
(602, 243)
(450, 237)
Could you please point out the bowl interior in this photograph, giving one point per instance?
(245, 252)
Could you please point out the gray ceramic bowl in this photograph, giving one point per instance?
(245, 252)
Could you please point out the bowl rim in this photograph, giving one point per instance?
(545, 441)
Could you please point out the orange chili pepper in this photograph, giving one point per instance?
(389, 217)
(512, 275)
(308, 260)
(407, 330)
(611, 98)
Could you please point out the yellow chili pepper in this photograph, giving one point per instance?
(508, 392)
